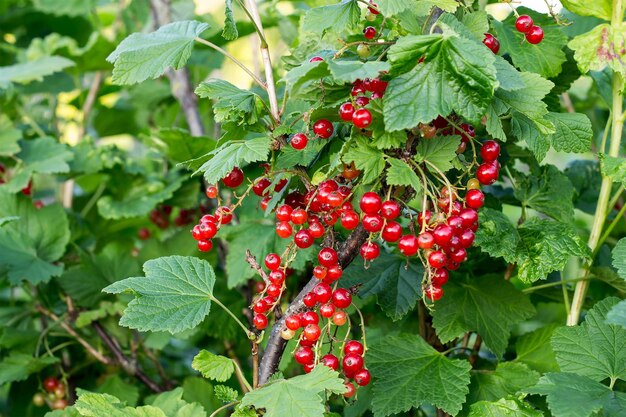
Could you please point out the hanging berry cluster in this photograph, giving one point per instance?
(524, 24)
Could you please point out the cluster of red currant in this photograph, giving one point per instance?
(523, 24)
(270, 293)
(54, 394)
(209, 224)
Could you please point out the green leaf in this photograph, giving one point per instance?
(105, 309)
(175, 294)
(546, 58)
(172, 404)
(98, 405)
(148, 55)
(300, 80)
(230, 26)
(290, 157)
(599, 8)
(231, 103)
(496, 235)
(507, 379)
(116, 387)
(599, 48)
(215, 367)
(619, 257)
(9, 136)
(548, 191)
(525, 129)
(439, 151)
(534, 349)
(179, 146)
(226, 394)
(233, 154)
(408, 372)
(336, 18)
(503, 408)
(400, 173)
(30, 246)
(27, 72)
(299, 396)
(462, 68)
(65, 7)
(395, 282)
(368, 160)
(571, 395)
(573, 132)
(18, 366)
(419, 7)
(7, 220)
(349, 71)
(617, 314)
(613, 167)
(594, 348)
(488, 305)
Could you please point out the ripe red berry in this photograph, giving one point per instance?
(423, 218)
(346, 110)
(362, 118)
(334, 199)
(342, 298)
(350, 389)
(205, 245)
(491, 42)
(487, 173)
(309, 300)
(340, 318)
(260, 186)
(320, 272)
(331, 361)
(458, 256)
(442, 234)
(425, 240)
(299, 141)
(327, 310)
(468, 216)
(353, 346)
(234, 179)
(304, 355)
(467, 238)
(362, 377)
(373, 223)
(369, 32)
(316, 230)
(374, 8)
(437, 259)
(352, 363)
(293, 322)
(323, 129)
(433, 293)
(280, 185)
(370, 251)
(334, 273)
(260, 321)
(260, 306)
(309, 317)
(523, 23)
(211, 191)
(303, 239)
(370, 203)
(50, 384)
(390, 210)
(349, 219)
(534, 35)
(490, 150)
(283, 213)
(274, 290)
(144, 233)
(392, 232)
(299, 216)
(408, 245)
(475, 199)
(440, 277)
(265, 202)
(361, 101)
(322, 293)
(223, 215)
(283, 229)
(327, 257)
(312, 332)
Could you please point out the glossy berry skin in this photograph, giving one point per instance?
(260, 306)
(205, 245)
(443, 234)
(350, 219)
(327, 310)
(316, 230)
(373, 223)
(293, 322)
(369, 32)
(283, 213)
(334, 273)
(350, 390)
(391, 232)
(331, 361)
(310, 317)
(425, 240)
(523, 23)
(299, 141)
(458, 256)
(272, 261)
(50, 384)
(534, 35)
(211, 192)
(491, 42)
(346, 110)
(223, 215)
(274, 290)
(299, 216)
(316, 59)
(304, 355)
(362, 377)
(260, 186)
(361, 118)
(323, 293)
(490, 150)
(309, 300)
(323, 129)
(352, 363)
(353, 346)
(284, 229)
(473, 184)
(433, 293)
(390, 210)
(370, 203)
(467, 238)
(487, 173)
(440, 277)
(260, 321)
(469, 216)
(408, 245)
(234, 179)
(363, 51)
(340, 318)
(437, 259)
(370, 251)
(312, 332)
(327, 257)
(342, 298)
(320, 272)
(423, 218)
(303, 239)
(361, 101)
(475, 199)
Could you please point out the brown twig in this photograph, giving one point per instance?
(255, 364)
(254, 264)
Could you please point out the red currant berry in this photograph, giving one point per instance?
(299, 216)
(373, 223)
(316, 59)
(408, 245)
(370, 251)
(392, 232)
(316, 230)
(350, 389)
(362, 377)
(272, 261)
(456, 223)
(260, 306)
(334, 273)
(283, 229)
(374, 8)
(299, 141)
(323, 293)
(361, 101)
(362, 118)
(390, 210)
(274, 290)
(350, 219)
(293, 322)
(50, 384)
(320, 272)
(523, 23)
(309, 300)
(327, 310)
(205, 245)
(211, 191)
(309, 317)
(277, 277)
(425, 240)
(423, 218)
(331, 361)
(304, 355)
(370, 203)
(283, 213)
(487, 173)
(334, 199)
(352, 363)
(534, 35)
(312, 332)
(144, 233)
(469, 216)
(369, 32)
(328, 257)
(475, 199)
(340, 318)
(434, 293)
(234, 179)
(260, 186)
(345, 111)
(323, 129)
(458, 256)
(490, 150)
(223, 215)
(260, 321)
(196, 233)
(442, 234)
(491, 42)
(353, 346)
(265, 202)
(437, 259)
(342, 298)
(440, 277)
(303, 239)
(467, 238)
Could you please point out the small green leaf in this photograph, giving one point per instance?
(599, 48)
(408, 372)
(335, 17)
(231, 103)
(503, 408)
(148, 55)
(613, 167)
(534, 349)
(496, 235)
(178, 145)
(18, 366)
(599, 8)
(369, 160)
(97, 405)
(573, 132)
(9, 136)
(65, 7)
(215, 367)
(439, 151)
(27, 72)
(507, 379)
(226, 394)
(400, 173)
(175, 294)
(619, 258)
(230, 26)
(548, 191)
(345, 71)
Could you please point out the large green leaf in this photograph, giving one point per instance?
(457, 74)
(408, 372)
(27, 72)
(334, 18)
(9, 136)
(598, 8)
(599, 48)
(349, 71)
(299, 396)
(507, 379)
(179, 145)
(395, 282)
(30, 246)
(231, 103)
(97, 405)
(439, 151)
(366, 158)
(548, 191)
(175, 294)
(148, 55)
(18, 366)
(211, 366)
(573, 132)
(65, 7)
(488, 305)
(401, 173)
(534, 349)
(496, 235)
(503, 408)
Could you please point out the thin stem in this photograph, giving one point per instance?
(605, 134)
(230, 313)
(614, 199)
(232, 58)
(553, 284)
(565, 293)
(224, 407)
(92, 201)
(609, 229)
(246, 385)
